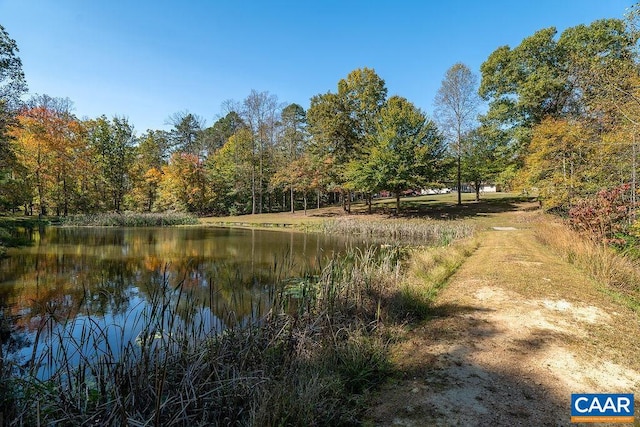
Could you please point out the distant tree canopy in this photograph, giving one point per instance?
(12, 81)
(560, 122)
(342, 124)
(12, 87)
(551, 77)
(569, 108)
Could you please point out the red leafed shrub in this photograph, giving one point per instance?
(605, 215)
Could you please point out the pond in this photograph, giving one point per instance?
(79, 280)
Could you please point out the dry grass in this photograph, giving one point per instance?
(130, 219)
(311, 359)
(427, 272)
(619, 274)
(436, 233)
(288, 365)
(270, 220)
(492, 330)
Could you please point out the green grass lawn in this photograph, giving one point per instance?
(439, 206)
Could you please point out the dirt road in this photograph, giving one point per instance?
(515, 332)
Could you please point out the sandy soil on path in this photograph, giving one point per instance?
(515, 332)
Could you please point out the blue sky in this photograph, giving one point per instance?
(148, 59)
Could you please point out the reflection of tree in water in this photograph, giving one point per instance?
(228, 289)
(63, 287)
(12, 339)
(101, 272)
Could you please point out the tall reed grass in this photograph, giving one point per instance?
(308, 356)
(439, 233)
(130, 219)
(617, 272)
(300, 363)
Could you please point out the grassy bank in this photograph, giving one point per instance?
(130, 219)
(312, 359)
(437, 233)
(618, 274)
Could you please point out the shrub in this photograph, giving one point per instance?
(131, 219)
(603, 216)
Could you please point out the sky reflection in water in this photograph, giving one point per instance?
(109, 275)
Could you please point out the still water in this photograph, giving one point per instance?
(107, 276)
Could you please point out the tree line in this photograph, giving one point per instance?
(261, 155)
(560, 122)
(569, 105)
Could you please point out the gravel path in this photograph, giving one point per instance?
(515, 332)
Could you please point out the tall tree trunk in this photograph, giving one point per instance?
(369, 202)
(459, 167)
(305, 203)
(318, 198)
(65, 194)
(253, 190)
(478, 184)
(43, 209)
(260, 180)
(293, 209)
(397, 203)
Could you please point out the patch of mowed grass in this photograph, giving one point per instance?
(130, 219)
(619, 274)
(312, 358)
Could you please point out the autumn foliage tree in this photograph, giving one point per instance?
(112, 143)
(289, 148)
(341, 124)
(146, 170)
(50, 144)
(558, 162)
(231, 172)
(184, 185)
(551, 76)
(12, 86)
